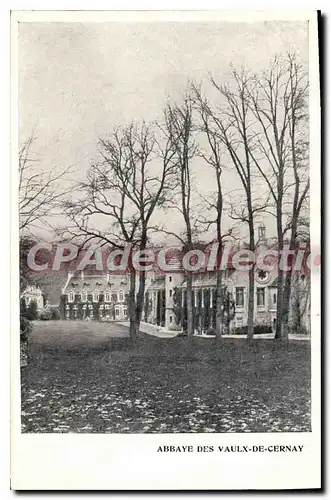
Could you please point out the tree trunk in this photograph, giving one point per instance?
(140, 297)
(141, 287)
(250, 313)
(286, 304)
(190, 322)
(279, 319)
(131, 305)
(219, 305)
(280, 277)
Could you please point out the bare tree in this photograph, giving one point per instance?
(234, 129)
(180, 128)
(40, 193)
(121, 193)
(278, 101)
(213, 205)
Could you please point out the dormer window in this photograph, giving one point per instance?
(95, 296)
(71, 297)
(83, 296)
(120, 296)
(107, 296)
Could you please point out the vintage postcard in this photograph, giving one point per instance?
(165, 250)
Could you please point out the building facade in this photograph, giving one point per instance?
(95, 297)
(33, 294)
(105, 296)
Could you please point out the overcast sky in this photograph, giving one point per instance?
(77, 81)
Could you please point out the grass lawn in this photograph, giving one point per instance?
(85, 377)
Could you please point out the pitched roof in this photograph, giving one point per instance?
(96, 282)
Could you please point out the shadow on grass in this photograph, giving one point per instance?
(167, 385)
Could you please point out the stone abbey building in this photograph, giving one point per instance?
(95, 297)
(104, 296)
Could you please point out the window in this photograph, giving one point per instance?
(260, 297)
(120, 296)
(71, 297)
(275, 298)
(170, 319)
(240, 297)
(96, 296)
(262, 276)
(117, 311)
(170, 279)
(125, 311)
(170, 293)
(107, 296)
(261, 232)
(83, 296)
(239, 321)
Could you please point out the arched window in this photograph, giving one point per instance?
(95, 296)
(83, 296)
(107, 296)
(120, 296)
(71, 297)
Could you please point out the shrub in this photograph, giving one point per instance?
(239, 330)
(258, 329)
(46, 314)
(211, 331)
(30, 313)
(23, 306)
(25, 328)
(174, 328)
(32, 310)
(28, 316)
(55, 313)
(300, 330)
(262, 328)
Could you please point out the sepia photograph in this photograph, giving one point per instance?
(166, 256)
